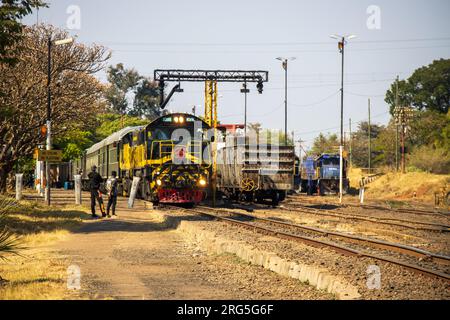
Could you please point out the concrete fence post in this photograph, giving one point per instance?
(19, 186)
(361, 195)
(134, 187)
(77, 187)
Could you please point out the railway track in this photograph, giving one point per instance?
(414, 259)
(409, 224)
(402, 210)
(297, 200)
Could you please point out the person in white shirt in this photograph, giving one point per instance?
(111, 188)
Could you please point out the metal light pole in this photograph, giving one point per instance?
(285, 67)
(49, 102)
(370, 141)
(341, 45)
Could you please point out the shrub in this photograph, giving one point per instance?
(430, 159)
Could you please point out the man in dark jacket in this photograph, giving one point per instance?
(94, 185)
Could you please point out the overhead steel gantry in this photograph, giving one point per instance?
(210, 77)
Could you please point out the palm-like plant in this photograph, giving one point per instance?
(9, 244)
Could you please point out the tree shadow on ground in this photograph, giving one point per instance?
(35, 222)
(136, 225)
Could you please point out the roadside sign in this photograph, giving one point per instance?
(50, 155)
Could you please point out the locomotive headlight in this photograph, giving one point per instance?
(202, 182)
(181, 119)
(158, 182)
(175, 119)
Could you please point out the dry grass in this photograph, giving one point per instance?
(38, 273)
(403, 187)
(354, 175)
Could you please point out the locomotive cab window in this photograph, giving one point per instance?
(330, 161)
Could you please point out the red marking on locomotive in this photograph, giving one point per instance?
(180, 196)
(180, 153)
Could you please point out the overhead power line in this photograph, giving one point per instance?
(338, 127)
(177, 51)
(246, 44)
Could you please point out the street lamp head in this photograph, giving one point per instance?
(335, 36)
(283, 59)
(63, 41)
(352, 36)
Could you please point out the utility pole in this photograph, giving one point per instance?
(403, 138)
(285, 102)
(350, 141)
(370, 142)
(396, 126)
(300, 141)
(396, 148)
(285, 67)
(402, 115)
(341, 46)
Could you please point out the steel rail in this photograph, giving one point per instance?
(419, 225)
(325, 244)
(397, 247)
(405, 210)
(376, 207)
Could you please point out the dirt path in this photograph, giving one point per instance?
(136, 256)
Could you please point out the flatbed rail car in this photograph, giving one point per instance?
(171, 155)
(255, 173)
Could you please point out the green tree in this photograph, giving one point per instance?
(325, 144)
(430, 159)
(383, 147)
(360, 145)
(112, 122)
(130, 93)
(76, 94)
(121, 82)
(11, 28)
(428, 88)
(428, 128)
(146, 100)
(74, 141)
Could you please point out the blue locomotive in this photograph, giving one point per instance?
(321, 175)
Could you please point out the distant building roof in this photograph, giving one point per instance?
(230, 127)
(115, 137)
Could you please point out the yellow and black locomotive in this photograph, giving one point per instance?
(171, 155)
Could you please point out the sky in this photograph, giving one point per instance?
(394, 37)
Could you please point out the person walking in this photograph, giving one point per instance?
(94, 185)
(111, 188)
